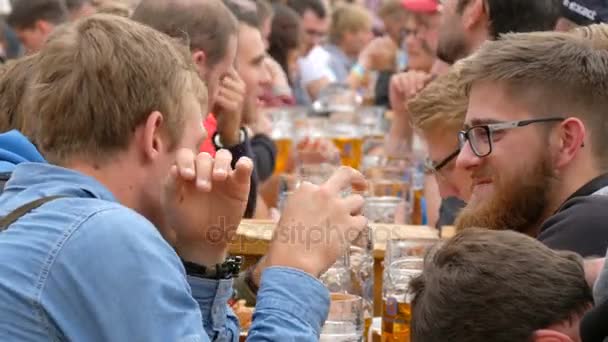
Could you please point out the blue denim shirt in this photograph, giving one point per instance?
(85, 268)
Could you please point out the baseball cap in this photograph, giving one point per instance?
(585, 12)
(424, 6)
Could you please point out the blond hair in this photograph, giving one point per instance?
(442, 105)
(552, 74)
(348, 18)
(99, 79)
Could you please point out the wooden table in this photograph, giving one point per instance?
(253, 237)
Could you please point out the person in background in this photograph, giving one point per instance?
(250, 66)
(313, 66)
(80, 8)
(550, 114)
(498, 286)
(349, 33)
(212, 31)
(124, 251)
(285, 45)
(34, 20)
(437, 112)
(384, 55)
(581, 13)
(419, 38)
(278, 93)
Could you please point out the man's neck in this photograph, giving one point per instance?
(112, 176)
(477, 38)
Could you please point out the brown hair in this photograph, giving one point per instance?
(207, 24)
(285, 36)
(348, 18)
(440, 105)
(25, 13)
(14, 80)
(99, 79)
(485, 285)
(552, 74)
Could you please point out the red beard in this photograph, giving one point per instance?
(518, 203)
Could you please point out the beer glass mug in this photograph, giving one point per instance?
(282, 134)
(349, 141)
(385, 209)
(345, 320)
(402, 262)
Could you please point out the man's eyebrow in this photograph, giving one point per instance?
(259, 59)
(481, 122)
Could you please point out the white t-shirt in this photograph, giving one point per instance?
(315, 66)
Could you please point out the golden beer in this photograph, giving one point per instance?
(367, 326)
(396, 319)
(351, 150)
(284, 146)
(389, 187)
(417, 214)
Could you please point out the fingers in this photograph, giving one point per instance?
(185, 164)
(221, 167)
(344, 178)
(243, 170)
(358, 223)
(204, 166)
(354, 204)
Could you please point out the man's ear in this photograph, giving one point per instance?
(474, 13)
(547, 335)
(150, 137)
(200, 60)
(571, 139)
(44, 27)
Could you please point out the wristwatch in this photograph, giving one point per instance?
(226, 270)
(217, 141)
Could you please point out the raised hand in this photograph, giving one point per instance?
(203, 202)
(228, 108)
(317, 224)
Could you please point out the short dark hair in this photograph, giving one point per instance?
(500, 286)
(301, 6)
(207, 25)
(74, 5)
(244, 12)
(286, 34)
(508, 16)
(26, 13)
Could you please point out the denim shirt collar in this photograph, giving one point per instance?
(59, 180)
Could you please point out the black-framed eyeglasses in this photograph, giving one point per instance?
(481, 137)
(433, 167)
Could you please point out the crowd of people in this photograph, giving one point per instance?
(134, 138)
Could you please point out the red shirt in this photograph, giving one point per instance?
(210, 124)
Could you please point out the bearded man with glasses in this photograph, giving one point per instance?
(535, 139)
